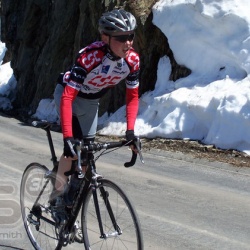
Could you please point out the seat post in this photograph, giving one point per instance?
(51, 146)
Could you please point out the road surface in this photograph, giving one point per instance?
(182, 202)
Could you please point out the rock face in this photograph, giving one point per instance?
(44, 36)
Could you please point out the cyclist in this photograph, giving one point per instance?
(98, 67)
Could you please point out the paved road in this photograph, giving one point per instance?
(183, 203)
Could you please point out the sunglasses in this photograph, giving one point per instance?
(124, 38)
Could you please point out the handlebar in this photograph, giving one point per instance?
(95, 146)
(109, 145)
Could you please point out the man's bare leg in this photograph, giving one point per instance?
(61, 179)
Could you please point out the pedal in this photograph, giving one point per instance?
(76, 235)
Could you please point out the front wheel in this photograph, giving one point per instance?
(121, 226)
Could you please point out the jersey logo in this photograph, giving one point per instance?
(104, 81)
(134, 60)
(66, 76)
(105, 69)
(119, 65)
(89, 59)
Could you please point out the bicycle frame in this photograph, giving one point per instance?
(92, 180)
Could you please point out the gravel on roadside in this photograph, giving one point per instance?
(194, 149)
(199, 150)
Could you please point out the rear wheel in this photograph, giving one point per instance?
(123, 232)
(36, 188)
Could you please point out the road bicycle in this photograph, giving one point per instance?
(101, 216)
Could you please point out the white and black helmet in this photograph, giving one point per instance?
(116, 21)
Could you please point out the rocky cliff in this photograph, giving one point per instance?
(44, 36)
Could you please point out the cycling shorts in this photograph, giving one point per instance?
(85, 110)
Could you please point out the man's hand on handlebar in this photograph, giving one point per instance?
(135, 141)
(69, 148)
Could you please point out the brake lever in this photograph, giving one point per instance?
(137, 144)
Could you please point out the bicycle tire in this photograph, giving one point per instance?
(125, 216)
(42, 234)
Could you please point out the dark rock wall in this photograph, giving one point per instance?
(44, 36)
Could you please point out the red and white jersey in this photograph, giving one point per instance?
(94, 72)
(96, 69)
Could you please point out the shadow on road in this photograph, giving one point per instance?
(9, 247)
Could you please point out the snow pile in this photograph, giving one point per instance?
(211, 38)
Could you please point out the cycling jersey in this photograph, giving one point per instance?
(95, 71)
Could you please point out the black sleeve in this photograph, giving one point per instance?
(78, 74)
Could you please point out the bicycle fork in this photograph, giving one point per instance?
(104, 196)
